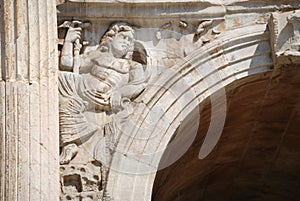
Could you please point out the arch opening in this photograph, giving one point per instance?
(257, 155)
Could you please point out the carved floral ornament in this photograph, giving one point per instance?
(98, 88)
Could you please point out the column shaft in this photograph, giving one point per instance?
(29, 142)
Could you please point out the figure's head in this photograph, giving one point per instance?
(119, 39)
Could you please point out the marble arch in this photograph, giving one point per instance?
(194, 50)
(236, 55)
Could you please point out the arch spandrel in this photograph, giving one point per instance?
(186, 61)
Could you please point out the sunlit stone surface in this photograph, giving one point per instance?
(97, 96)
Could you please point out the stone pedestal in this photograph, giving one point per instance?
(28, 101)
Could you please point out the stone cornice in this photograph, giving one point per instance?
(161, 9)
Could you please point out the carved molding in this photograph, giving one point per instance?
(91, 121)
(149, 11)
(185, 59)
(120, 110)
(234, 55)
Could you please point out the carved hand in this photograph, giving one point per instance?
(73, 34)
(115, 100)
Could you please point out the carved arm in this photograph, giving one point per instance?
(132, 89)
(67, 57)
(136, 82)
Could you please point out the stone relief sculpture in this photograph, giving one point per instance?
(285, 36)
(104, 81)
(294, 20)
(97, 87)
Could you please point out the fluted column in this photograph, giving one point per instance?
(28, 101)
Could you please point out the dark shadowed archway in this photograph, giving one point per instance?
(257, 157)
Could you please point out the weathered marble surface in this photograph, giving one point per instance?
(101, 81)
(285, 34)
(29, 168)
(189, 50)
(194, 51)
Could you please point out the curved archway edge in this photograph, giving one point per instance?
(204, 73)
